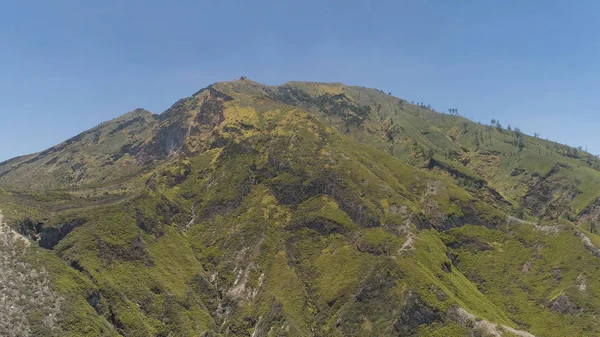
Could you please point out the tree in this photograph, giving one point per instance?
(520, 144)
(453, 112)
(518, 132)
(509, 128)
(493, 121)
(498, 126)
(243, 78)
(536, 135)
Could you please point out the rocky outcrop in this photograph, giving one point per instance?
(563, 305)
(591, 214)
(587, 243)
(550, 196)
(47, 237)
(414, 312)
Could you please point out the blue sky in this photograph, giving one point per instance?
(65, 66)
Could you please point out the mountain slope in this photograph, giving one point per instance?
(509, 162)
(307, 209)
(97, 156)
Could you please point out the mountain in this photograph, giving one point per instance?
(305, 209)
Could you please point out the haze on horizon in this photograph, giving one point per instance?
(68, 66)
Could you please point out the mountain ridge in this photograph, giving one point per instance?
(307, 209)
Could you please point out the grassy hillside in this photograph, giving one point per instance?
(98, 157)
(307, 209)
(508, 162)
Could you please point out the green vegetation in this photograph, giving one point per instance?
(306, 209)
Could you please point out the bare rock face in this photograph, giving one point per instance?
(591, 215)
(27, 302)
(564, 305)
(414, 313)
(47, 237)
(551, 195)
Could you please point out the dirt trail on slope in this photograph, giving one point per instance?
(493, 329)
(548, 229)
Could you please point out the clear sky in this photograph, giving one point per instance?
(65, 66)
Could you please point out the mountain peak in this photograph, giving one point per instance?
(306, 209)
(137, 112)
